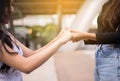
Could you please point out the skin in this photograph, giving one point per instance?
(31, 59)
(77, 36)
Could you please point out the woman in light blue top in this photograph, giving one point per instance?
(14, 56)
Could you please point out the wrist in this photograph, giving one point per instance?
(59, 42)
(83, 36)
(89, 36)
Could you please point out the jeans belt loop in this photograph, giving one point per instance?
(100, 46)
(116, 45)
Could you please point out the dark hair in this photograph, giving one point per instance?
(3, 4)
(110, 15)
(4, 36)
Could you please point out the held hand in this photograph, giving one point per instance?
(76, 35)
(64, 36)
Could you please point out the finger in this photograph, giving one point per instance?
(66, 28)
(72, 30)
(73, 41)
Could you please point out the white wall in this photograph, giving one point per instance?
(84, 19)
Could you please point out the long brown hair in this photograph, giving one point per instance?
(3, 4)
(110, 15)
(4, 36)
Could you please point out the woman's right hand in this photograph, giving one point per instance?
(77, 36)
(64, 36)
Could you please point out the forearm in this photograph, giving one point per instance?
(89, 36)
(55, 39)
(77, 36)
(38, 59)
(106, 38)
(28, 52)
(28, 64)
(47, 45)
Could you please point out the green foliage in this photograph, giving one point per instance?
(35, 30)
(46, 33)
(49, 33)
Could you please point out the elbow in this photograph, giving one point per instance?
(27, 70)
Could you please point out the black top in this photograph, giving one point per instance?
(106, 35)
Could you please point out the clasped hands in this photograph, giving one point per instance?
(69, 35)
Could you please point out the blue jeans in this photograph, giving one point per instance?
(107, 67)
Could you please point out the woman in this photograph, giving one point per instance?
(14, 56)
(108, 38)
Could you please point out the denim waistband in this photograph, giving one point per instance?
(117, 45)
(110, 45)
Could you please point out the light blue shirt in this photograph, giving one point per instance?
(13, 74)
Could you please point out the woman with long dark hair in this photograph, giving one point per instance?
(14, 56)
(108, 39)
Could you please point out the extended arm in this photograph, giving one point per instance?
(28, 52)
(105, 38)
(28, 64)
(96, 38)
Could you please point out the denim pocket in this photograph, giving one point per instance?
(107, 69)
(108, 52)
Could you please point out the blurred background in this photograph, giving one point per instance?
(37, 22)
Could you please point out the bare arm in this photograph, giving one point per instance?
(28, 52)
(96, 38)
(28, 64)
(77, 36)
